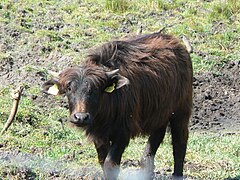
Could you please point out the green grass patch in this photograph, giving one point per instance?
(225, 9)
(209, 155)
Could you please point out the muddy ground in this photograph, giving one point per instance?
(217, 99)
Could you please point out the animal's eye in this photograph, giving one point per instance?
(87, 85)
(69, 88)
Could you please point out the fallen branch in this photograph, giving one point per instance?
(16, 95)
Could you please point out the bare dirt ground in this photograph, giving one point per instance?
(217, 99)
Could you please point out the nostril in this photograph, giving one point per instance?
(82, 117)
(86, 116)
(77, 116)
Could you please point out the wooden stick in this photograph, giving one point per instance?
(16, 95)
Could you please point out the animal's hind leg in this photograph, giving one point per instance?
(179, 129)
(147, 161)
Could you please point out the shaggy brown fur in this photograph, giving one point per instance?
(160, 73)
(158, 92)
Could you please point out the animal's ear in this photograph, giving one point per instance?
(116, 81)
(52, 87)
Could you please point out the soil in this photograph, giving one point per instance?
(216, 99)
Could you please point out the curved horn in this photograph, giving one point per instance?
(187, 43)
(110, 74)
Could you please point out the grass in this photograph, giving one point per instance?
(49, 29)
(220, 152)
(209, 155)
(211, 26)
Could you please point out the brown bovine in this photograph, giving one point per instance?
(131, 87)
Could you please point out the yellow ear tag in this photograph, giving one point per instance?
(53, 90)
(110, 89)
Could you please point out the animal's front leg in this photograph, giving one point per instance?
(113, 159)
(112, 162)
(102, 151)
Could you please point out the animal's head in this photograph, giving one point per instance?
(84, 87)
